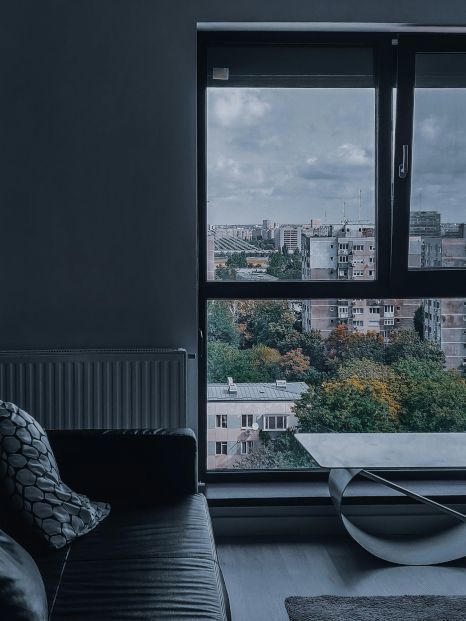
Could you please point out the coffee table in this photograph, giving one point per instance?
(347, 455)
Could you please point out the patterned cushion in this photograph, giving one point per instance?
(30, 477)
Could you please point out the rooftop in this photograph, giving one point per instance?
(256, 392)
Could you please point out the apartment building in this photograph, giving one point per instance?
(338, 252)
(238, 413)
(288, 236)
(347, 252)
(374, 315)
(445, 324)
(425, 223)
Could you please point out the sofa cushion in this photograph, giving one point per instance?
(31, 481)
(22, 593)
(153, 563)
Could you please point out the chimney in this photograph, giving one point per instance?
(280, 383)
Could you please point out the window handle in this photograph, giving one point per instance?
(403, 167)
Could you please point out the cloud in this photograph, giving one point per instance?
(233, 107)
(352, 155)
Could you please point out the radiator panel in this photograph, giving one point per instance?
(97, 389)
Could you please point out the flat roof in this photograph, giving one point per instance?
(256, 392)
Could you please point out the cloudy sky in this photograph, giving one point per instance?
(290, 155)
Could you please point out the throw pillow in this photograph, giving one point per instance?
(22, 592)
(30, 476)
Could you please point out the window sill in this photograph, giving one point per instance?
(448, 491)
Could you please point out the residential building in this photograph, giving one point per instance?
(425, 223)
(445, 324)
(238, 413)
(288, 236)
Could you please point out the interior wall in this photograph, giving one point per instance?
(98, 162)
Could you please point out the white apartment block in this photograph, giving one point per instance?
(289, 236)
(237, 413)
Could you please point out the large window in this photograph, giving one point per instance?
(332, 243)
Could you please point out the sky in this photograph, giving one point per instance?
(290, 155)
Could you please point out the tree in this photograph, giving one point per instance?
(313, 346)
(294, 366)
(343, 345)
(281, 452)
(258, 364)
(344, 406)
(269, 323)
(237, 259)
(407, 344)
(437, 404)
(418, 321)
(224, 361)
(285, 266)
(224, 273)
(221, 324)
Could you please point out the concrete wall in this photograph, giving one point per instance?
(98, 169)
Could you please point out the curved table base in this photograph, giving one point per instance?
(430, 549)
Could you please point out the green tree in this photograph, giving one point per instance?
(407, 344)
(237, 259)
(258, 364)
(270, 323)
(437, 404)
(285, 266)
(221, 323)
(224, 360)
(418, 321)
(282, 452)
(343, 407)
(224, 273)
(313, 346)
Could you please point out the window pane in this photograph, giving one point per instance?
(289, 171)
(438, 214)
(346, 365)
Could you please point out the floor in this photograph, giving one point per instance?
(260, 574)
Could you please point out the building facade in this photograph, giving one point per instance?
(238, 413)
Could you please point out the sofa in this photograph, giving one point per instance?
(154, 556)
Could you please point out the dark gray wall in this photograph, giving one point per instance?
(98, 161)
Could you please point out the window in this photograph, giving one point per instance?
(221, 448)
(303, 122)
(275, 423)
(246, 447)
(221, 421)
(247, 421)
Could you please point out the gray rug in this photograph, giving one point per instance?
(390, 608)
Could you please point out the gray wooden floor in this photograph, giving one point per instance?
(260, 574)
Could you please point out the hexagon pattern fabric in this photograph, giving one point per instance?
(30, 476)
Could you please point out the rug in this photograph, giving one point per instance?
(387, 608)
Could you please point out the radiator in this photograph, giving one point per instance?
(97, 389)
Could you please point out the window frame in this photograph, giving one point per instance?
(394, 58)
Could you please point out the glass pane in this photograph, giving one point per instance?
(290, 175)
(438, 187)
(353, 365)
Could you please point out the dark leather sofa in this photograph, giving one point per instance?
(154, 557)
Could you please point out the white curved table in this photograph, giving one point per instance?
(347, 455)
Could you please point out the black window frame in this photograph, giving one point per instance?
(394, 67)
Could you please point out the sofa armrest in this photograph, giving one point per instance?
(127, 467)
